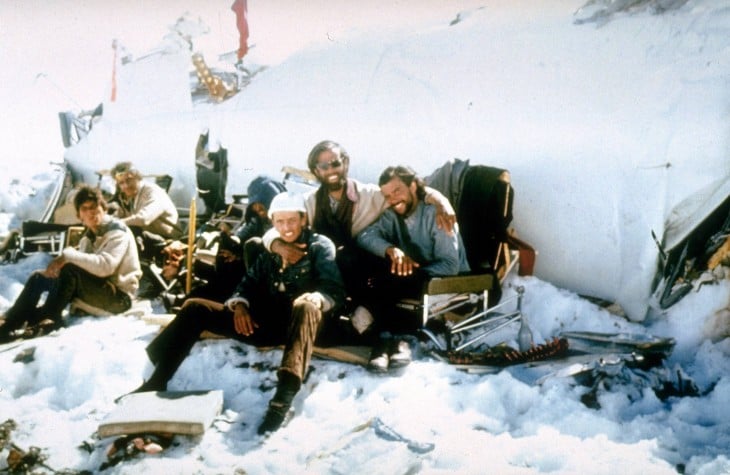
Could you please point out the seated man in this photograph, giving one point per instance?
(238, 248)
(256, 222)
(221, 278)
(416, 249)
(146, 208)
(273, 304)
(340, 209)
(261, 191)
(104, 271)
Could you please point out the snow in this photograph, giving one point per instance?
(667, 98)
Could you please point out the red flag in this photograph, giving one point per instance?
(240, 8)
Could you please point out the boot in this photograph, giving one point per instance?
(159, 378)
(379, 359)
(147, 386)
(276, 415)
(162, 374)
(8, 326)
(279, 410)
(399, 354)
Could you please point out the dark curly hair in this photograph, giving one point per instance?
(88, 193)
(407, 176)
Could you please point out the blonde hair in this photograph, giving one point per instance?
(126, 169)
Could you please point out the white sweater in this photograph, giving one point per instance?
(111, 254)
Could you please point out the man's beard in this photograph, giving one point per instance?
(337, 185)
(409, 206)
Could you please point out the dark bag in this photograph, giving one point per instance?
(211, 175)
(484, 214)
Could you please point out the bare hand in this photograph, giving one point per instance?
(54, 268)
(290, 253)
(314, 298)
(400, 264)
(242, 321)
(445, 214)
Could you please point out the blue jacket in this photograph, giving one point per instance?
(441, 254)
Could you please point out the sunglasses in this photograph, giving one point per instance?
(124, 177)
(336, 163)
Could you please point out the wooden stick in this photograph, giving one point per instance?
(191, 244)
(503, 244)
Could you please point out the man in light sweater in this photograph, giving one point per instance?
(146, 208)
(103, 272)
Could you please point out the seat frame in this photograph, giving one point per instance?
(469, 289)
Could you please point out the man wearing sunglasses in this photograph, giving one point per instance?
(340, 209)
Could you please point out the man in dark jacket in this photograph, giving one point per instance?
(340, 209)
(261, 191)
(274, 304)
(239, 247)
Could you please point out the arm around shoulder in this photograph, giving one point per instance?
(269, 237)
(446, 216)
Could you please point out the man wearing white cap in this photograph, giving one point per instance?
(340, 209)
(274, 304)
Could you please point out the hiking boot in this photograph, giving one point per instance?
(45, 326)
(277, 414)
(399, 354)
(379, 360)
(4, 332)
(151, 385)
(147, 386)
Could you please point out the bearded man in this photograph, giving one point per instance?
(413, 249)
(340, 209)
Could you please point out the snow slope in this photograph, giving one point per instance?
(504, 423)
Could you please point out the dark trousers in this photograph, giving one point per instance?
(72, 282)
(280, 322)
(484, 214)
(357, 266)
(386, 290)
